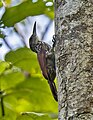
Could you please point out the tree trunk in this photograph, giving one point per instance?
(74, 58)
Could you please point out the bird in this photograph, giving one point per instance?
(46, 60)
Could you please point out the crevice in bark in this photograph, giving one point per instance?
(66, 102)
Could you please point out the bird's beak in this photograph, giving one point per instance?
(34, 29)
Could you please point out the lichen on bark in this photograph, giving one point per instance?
(74, 58)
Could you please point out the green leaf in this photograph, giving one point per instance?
(1, 35)
(1, 4)
(28, 8)
(35, 90)
(9, 80)
(9, 115)
(23, 58)
(33, 116)
(29, 95)
(3, 65)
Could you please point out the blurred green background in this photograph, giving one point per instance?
(24, 93)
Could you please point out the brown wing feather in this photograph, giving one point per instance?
(42, 62)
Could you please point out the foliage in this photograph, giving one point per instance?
(26, 94)
(32, 116)
(17, 13)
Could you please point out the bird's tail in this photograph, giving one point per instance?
(53, 89)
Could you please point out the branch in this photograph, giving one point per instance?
(7, 44)
(2, 103)
(2, 107)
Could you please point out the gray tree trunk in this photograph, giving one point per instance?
(74, 58)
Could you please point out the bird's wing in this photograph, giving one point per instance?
(42, 62)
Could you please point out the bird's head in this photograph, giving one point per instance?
(33, 39)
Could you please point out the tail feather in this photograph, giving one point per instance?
(53, 89)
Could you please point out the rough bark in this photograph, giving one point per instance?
(74, 58)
